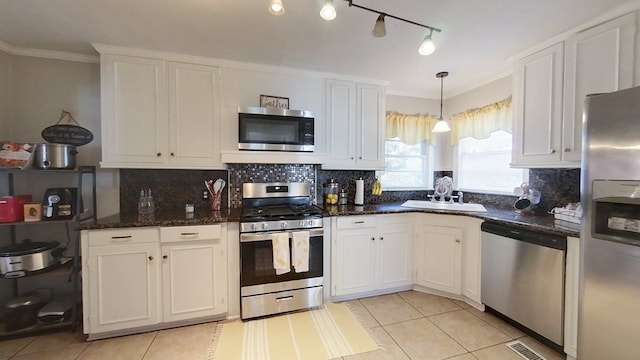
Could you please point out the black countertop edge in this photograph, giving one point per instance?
(164, 218)
(541, 223)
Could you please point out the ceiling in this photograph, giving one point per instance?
(477, 35)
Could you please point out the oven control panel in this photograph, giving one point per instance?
(275, 225)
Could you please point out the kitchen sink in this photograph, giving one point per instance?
(437, 205)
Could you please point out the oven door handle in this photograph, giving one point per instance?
(263, 236)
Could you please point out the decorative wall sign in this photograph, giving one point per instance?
(270, 101)
(67, 133)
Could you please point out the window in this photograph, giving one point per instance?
(407, 166)
(483, 165)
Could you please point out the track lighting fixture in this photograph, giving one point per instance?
(441, 125)
(275, 7)
(379, 29)
(428, 46)
(328, 12)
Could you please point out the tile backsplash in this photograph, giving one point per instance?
(173, 188)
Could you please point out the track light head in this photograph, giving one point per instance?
(427, 47)
(328, 11)
(276, 7)
(379, 29)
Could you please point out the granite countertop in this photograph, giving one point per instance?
(543, 223)
(164, 218)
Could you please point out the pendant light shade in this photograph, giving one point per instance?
(275, 7)
(441, 125)
(379, 29)
(328, 12)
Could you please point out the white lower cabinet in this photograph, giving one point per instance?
(142, 277)
(194, 282)
(438, 254)
(121, 279)
(370, 253)
(447, 255)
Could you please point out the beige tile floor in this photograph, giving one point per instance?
(408, 325)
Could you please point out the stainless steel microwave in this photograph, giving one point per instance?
(275, 129)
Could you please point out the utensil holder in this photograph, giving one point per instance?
(215, 201)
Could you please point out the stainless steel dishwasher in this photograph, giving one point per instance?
(523, 277)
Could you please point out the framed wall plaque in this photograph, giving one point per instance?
(270, 101)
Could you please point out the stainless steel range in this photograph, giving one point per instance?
(279, 216)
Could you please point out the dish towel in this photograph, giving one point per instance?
(281, 256)
(300, 251)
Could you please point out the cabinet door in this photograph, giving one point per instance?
(472, 259)
(190, 280)
(194, 115)
(370, 127)
(354, 262)
(341, 124)
(538, 107)
(393, 247)
(439, 256)
(598, 60)
(124, 286)
(134, 111)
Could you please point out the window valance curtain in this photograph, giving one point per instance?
(480, 123)
(411, 129)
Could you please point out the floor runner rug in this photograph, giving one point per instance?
(326, 333)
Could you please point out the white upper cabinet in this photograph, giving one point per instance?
(355, 125)
(134, 111)
(597, 60)
(538, 107)
(550, 87)
(194, 115)
(159, 114)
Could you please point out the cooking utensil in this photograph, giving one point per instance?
(209, 185)
(20, 259)
(55, 156)
(219, 185)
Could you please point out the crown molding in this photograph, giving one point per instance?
(48, 54)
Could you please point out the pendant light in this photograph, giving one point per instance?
(441, 125)
(379, 29)
(328, 12)
(276, 7)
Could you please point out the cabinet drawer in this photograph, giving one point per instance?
(356, 222)
(123, 236)
(190, 233)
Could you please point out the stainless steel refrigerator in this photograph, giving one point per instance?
(609, 302)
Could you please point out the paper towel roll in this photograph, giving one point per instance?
(359, 199)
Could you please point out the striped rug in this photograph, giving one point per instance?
(327, 333)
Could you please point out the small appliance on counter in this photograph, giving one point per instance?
(59, 203)
(12, 208)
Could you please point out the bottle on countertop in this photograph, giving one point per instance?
(142, 206)
(151, 206)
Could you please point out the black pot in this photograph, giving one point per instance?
(23, 311)
(55, 156)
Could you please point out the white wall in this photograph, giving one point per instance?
(5, 78)
(40, 89)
